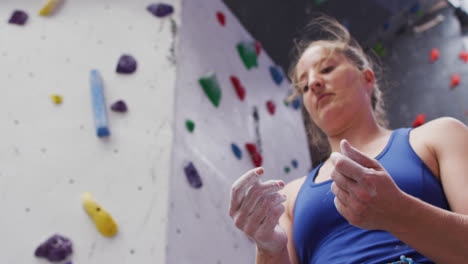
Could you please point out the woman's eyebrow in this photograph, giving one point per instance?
(315, 65)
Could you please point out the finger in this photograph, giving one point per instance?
(240, 186)
(342, 195)
(358, 156)
(260, 212)
(259, 191)
(340, 207)
(347, 167)
(271, 220)
(344, 182)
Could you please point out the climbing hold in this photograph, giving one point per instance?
(210, 86)
(49, 7)
(258, 47)
(192, 176)
(104, 222)
(99, 105)
(276, 75)
(285, 101)
(248, 53)
(294, 163)
(387, 25)
(419, 120)
(435, 54)
(190, 125)
(455, 80)
(415, 8)
(319, 2)
(240, 90)
(57, 99)
(296, 103)
(19, 17)
(271, 107)
(401, 30)
(237, 151)
(119, 106)
(56, 248)
(464, 56)
(221, 18)
(379, 49)
(127, 64)
(254, 155)
(286, 169)
(255, 114)
(160, 10)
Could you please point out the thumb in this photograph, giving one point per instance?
(356, 155)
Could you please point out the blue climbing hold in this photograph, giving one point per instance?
(296, 103)
(237, 151)
(415, 8)
(294, 163)
(192, 176)
(276, 75)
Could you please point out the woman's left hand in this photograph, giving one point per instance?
(365, 193)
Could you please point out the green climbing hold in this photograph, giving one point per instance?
(286, 169)
(319, 2)
(210, 86)
(190, 125)
(248, 54)
(379, 49)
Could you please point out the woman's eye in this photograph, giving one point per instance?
(328, 69)
(305, 89)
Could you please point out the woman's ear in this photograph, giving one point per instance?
(369, 79)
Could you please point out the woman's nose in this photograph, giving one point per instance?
(316, 85)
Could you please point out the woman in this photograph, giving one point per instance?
(378, 195)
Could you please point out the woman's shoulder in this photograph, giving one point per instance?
(440, 129)
(291, 190)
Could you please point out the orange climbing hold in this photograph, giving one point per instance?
(464, 56)
(435, 54)
(221, 18)
(455, 80)
(420, 118)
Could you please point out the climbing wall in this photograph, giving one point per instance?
(204, 165)
(50, 154)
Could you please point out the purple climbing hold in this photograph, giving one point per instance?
(56, 248)
(119, 106)
(192, 176)
(160, 10)
(18, 17)
(127, 64)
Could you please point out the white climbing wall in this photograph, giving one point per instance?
(50, 155)
(200, 230)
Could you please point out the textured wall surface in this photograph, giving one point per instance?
(200, 229)
(50, 155)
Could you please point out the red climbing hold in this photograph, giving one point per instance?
(455, 80)
(271, 107)
(435, 54)
(240, 90)
(419, 120)
(254, 155)
(258, 47)
(464, 56)
(221, 18)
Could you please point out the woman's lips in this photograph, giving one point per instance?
(322, 97)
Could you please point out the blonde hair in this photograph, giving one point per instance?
(334, 37)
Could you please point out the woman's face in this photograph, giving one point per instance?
(334, 91)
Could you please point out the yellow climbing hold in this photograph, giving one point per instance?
(101, 218)
(49, 7)
(57, 99)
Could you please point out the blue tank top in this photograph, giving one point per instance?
(322, 235)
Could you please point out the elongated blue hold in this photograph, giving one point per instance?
(99, 104)
(192, 175)
(237, 151)
(276, 75)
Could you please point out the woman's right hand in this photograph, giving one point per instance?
(256, 207)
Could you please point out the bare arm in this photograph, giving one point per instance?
(439, 234)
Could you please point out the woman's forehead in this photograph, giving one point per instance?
(314, 56)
